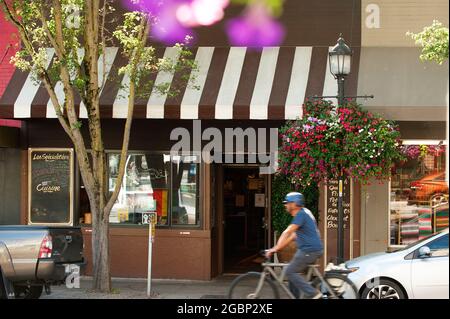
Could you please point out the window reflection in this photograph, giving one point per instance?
(419, 198)
(184, 190)
(157, 183)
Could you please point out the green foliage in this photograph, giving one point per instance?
(149, 63)
(434, 42)
(281, 185)
(39, 20)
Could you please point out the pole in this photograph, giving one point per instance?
(151, 236)
(341, 93)
(340, 230)
(149, 266)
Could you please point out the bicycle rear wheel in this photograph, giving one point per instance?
(343, 288)
(245, 287)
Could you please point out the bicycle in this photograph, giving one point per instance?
(333, 284)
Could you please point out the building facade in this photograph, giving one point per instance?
(213, 218)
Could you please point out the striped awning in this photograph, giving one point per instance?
(231, 83)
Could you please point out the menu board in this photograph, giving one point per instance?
(331, 218)
(50, 186)
(332, 203)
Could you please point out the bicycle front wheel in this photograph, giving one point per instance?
(341, 286)
(247, 286)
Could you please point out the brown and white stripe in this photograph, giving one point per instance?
(231, 83)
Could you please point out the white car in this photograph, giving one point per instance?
(419, 271)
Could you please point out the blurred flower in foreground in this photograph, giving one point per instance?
(201, 12)
(150, 6)
(165, 25)
(173, 20)
(256, 28)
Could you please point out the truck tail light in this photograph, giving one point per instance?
(46, 247)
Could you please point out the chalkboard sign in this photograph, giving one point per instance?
(332, 188)
(331, 219)
(50, 186)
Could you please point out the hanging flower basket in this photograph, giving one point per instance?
(332, 141)
(420, 151)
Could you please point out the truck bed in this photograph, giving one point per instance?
(20, 246)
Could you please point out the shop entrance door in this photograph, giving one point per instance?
(244, 217)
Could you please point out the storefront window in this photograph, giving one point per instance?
(184, 190)
(419, 195)
(155, 183)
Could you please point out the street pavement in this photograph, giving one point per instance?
(126, 288)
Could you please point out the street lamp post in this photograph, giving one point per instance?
(340, 61)
(340, 65)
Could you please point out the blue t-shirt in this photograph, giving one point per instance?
(308, 236)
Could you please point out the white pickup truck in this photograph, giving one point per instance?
(34, 257)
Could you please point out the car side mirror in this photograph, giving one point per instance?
(424, 252)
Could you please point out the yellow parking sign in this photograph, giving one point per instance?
(150, 218)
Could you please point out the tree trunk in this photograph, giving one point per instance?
(100, 253)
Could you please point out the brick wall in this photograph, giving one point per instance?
(8, 46)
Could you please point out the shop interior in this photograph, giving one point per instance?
(244, 213)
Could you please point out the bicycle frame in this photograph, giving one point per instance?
(268, 269)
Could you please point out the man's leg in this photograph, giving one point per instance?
(300, 263)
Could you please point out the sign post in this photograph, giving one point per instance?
(150, 218)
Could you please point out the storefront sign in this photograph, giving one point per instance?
(50, 186)
(332, 190)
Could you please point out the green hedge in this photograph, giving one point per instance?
(280, 187)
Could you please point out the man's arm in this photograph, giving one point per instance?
(286, 237)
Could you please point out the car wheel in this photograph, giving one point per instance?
(383, 289)
(28, 292)
(438, 198)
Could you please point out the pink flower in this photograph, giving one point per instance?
(256, 28)
(166, 27)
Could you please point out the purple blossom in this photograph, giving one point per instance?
(152, 7)
(256, 28)
(166, 27)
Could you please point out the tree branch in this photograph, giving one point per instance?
(135, 60)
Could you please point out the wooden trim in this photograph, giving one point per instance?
(220, 218)
(356, 201)
(143, 231)
(24, 187)
(9, 136)
(325, 229)
(206, 196)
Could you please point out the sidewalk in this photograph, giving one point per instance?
(128, 288)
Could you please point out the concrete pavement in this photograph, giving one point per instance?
(126, 288)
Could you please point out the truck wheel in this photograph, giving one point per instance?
(28, 292)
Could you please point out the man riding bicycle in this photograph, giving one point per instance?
(303, 228)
